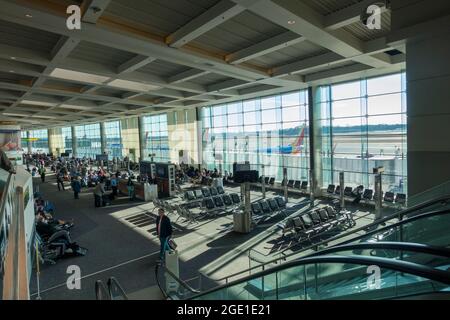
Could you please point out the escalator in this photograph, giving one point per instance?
(411, 256)
(384, 270)
(111, 291)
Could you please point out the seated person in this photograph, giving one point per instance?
(42, 216)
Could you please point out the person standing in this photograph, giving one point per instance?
(130, 186)
(164, 231)
(99, 191)
(114, 183)
(76, 187)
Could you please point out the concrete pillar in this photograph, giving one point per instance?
(315, 139)
(103, 137)
(74, 142)
(29, 147)
(424, 27)
(142, 138)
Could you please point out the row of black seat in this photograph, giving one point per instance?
(205, 192)
(294, 184)
(315, 222)
(367, 194)
(221, 201)
(268, 206)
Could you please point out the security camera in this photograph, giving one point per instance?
(374, 8)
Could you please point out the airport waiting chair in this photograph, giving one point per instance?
(297, 184)
(389, 197)
(348, 191)
(266, 180)
(208, 203)
(220, 190)
(218, 202)
(235, 197)
(281, 201)
(272, 181)
(189, 195)
(331, 188)
(206, 193)
(304, 185)
(265, 207)
(198, 194)
(337, 190)
(260, 179)
(283, 182)
(213, 191)
(290, 183)
(400, 198)
(227, 200)
(273, 204)
(368, 194)
(256, 209)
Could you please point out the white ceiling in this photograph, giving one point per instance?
(149, 56)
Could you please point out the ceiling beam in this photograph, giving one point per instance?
(308, 64)
(205, 22)
(276, 43)
(225, 85)
(187, 75)
(303, 20)
(93, 9)
(349, 15)
(133, 64)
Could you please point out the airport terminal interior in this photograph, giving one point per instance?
(224, 149)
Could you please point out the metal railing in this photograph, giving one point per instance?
(415, 269)
(398, 215)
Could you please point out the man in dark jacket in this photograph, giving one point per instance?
(164, 231)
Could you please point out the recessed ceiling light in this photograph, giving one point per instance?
(78, 76)
(291, 21)
(28, 15)
(70, 106)
(132, 85)
(13, 58)
(12, 71)
(39, 103)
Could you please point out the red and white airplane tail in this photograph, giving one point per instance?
(297, 145)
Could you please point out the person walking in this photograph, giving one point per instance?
(164, 230)
(60, 181)
(42, 172)
(99, 191)
(76, 187)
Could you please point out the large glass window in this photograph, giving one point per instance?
(365, 130)
(39, 141)
(88, 140)
(270, 131)
(156, 138)
(113, 139)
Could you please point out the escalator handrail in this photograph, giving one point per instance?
(182, 282)
(99, 288)
(113, 281)
(396, 265)
(401, 222)
(3, 199)
(387, 245)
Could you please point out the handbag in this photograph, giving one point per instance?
(172, 244)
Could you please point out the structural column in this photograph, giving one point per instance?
(425, 28)
(315, 139)
(74, 142)
(103, 138)
(29, 147)
(142, 138)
